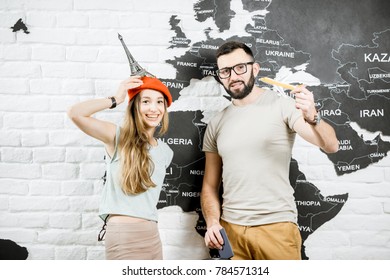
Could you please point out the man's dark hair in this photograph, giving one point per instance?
(230, 46)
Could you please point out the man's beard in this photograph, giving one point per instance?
(241, 94)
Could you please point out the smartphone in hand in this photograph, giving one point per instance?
(226, 252)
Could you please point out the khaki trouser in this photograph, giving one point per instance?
(133, 241)
(277, 241)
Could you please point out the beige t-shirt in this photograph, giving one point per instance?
(255, 144)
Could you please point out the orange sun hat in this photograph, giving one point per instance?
(151, 83)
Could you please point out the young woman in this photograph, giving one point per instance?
(136, 165)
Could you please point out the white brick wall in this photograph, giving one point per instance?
(50, 171)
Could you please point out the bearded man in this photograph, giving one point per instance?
(248, 147)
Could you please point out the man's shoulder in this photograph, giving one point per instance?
(218, 116)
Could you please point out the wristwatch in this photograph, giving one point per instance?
(113, 100)
(317, 118)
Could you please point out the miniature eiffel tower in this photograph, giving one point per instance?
(135, 68)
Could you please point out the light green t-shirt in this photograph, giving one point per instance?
(143, 205)
(255, 143)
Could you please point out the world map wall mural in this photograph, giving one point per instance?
(350, 82)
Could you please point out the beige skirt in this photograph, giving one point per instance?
(133, 241)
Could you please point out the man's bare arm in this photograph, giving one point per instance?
(211, 206)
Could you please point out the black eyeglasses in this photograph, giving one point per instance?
(239, 69)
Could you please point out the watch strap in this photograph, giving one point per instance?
(113, 102)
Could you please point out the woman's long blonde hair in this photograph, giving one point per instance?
(136, 163)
